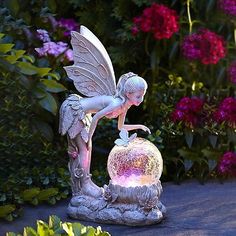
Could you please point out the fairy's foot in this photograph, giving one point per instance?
(91, 189)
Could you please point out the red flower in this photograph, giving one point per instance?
(226, 112)
(206, 46)
(158, 19)
(227, 164)
(188, 110)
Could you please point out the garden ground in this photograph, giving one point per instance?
(192, 209)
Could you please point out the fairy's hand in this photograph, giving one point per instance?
(145, 128)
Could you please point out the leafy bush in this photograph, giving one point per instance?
(56, 227)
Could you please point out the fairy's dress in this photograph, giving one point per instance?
(74, 120)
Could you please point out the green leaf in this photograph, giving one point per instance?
(14, 6)
(47, 193)
(42, 228)
(52, 5)
(187, 164)
(4, 48)
(54, 75)
(15, 55)
(26, 68)
(29, 194)
(212, 165)
(45, 129)
(1, 35)
(173, 50)
(189, 137)
(54, 222)
(39, 92)
(3, 197)
(77, 229)
(35, 201)
(49, 103)
(6, 210)
(68, 228)
(12, 234)
(29, 181)
(52, 200)
(28, 231)
(231, 135)
(43, 71)
(29, 58)
(53, 86)
(210, 5)
(213, 140)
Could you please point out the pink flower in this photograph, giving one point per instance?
(205, 46)
(69, 55)
(157, 19)
(227, 164)
(228, 6)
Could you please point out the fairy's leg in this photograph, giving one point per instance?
(74, 166)
(87, 186)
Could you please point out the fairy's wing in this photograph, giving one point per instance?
(92, 72)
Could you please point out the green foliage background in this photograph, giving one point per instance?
(32, 154)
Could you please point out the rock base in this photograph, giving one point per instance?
(120, 205)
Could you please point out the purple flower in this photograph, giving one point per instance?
(69, 25)
(52, 48)
(43, 35)
(227, 164)
(191, 48)
(232, 72)
(228, 6)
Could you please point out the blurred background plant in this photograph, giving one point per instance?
(184, 49)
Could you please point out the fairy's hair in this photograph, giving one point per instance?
(130, 83)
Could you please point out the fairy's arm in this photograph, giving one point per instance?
(122, 125)
(98, 116)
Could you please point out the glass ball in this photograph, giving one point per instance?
(139, 163)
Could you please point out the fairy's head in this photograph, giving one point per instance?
(131, 87)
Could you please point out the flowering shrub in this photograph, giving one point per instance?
(205, 46)
(226, 112)
(232, 72)
(54, 49)
(158, 19)
(188, 111)
(228, 6)
(227, 164)
(68, 25)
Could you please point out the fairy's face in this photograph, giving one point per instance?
(136, 98)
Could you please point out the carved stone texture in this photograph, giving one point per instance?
(128, 206)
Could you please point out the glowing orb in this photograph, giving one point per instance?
(139, 163)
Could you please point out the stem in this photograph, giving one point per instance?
(189, 16)
(235, 36)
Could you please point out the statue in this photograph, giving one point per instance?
(93, 76)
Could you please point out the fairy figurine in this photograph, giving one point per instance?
(93, 76)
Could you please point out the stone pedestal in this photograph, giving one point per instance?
(138, 205)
